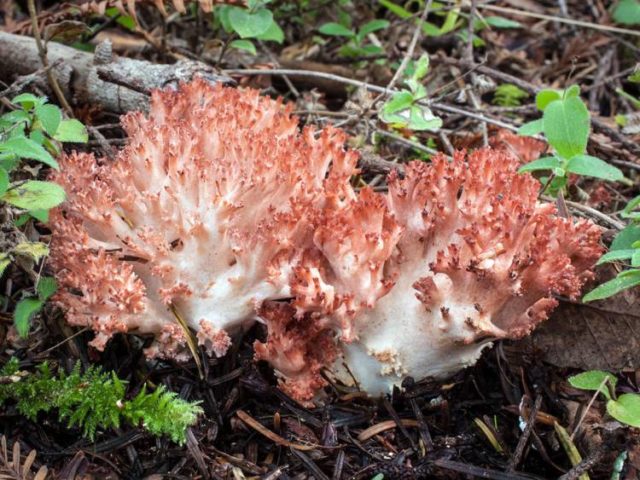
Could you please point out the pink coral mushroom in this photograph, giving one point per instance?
(220, 212)
(203, 215)
(462, 254)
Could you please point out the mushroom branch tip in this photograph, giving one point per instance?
(221, 211)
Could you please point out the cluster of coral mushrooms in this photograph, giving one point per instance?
(221, 212)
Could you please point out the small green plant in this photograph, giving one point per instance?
(404, 110)
(565, 124)
(356, 45)
(95, 400)
(624, 248)
(33, 131)
(255, 22)
(624, 408)
(509, 95)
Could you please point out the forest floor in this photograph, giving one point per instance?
(501, 419)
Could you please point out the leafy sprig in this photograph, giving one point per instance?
(405, 110)
(566, 124)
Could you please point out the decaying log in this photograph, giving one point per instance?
(116, 84)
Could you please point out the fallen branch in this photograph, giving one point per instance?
(85, 78)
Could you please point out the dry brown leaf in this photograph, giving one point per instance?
(12, 467)
(604, 335)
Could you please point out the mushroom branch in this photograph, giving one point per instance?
(220, 212)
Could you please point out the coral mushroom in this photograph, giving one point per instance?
(200, 219)
(464, 255)
(219, 210)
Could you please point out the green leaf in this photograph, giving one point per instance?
(274, 34)
(24, 147)
(28, 100)
(35, 195)
(450, 21)
(531, 128)
(250, 25)
(430, 30)
(396, 9)
(566, 126)
(4, 180)
(421, 67)
(33, 250)
(399, 101)
(50, 117)
(593, 380)
(545, 97)
(5, 260)
(246, 45)
(371, 50)
(499, 22)
(544, 163)
(222, 14)
(626, 238)
(627, 211)
(42, 215)
(623, 281)
(47, 286)
(24, 312)
(627, 12)
(572, 91)
(336, 30)
(71, 130)
(635, 259)
(626, 409)
(594, 167)
(22, 220)
(16, 116)
(126, 21)
(421, 118)
(373, 26)
(616, 255)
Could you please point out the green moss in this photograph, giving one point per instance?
(95, 400)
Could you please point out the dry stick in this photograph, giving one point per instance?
(504, 77)
(273, 58)
(589, 211)
(586, 410)
(53, 81)
(568, 21)
(412, 46)
(583, 466)
(406, 141)
(526, 433)
(371, 88)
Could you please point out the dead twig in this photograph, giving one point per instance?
(42, 50)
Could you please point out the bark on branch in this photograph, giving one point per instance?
(116, 84)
